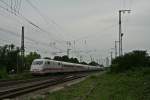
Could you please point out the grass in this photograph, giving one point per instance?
(132, 85)
(24, 75)
(4, 75)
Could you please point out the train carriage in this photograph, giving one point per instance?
(44, 66)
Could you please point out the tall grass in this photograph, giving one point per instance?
(3, 73)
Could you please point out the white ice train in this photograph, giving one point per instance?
(44, 66)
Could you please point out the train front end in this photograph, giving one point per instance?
(37, 67)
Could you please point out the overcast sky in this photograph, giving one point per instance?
(90, 25)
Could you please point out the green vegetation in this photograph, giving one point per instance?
(29, 58)
(66, 59)
(132, 85)
(74, 60)
(127, 79)
(10, 58)
(130, 61)
(93, 63)
(10, 61)
(3, 73)
(24, 75)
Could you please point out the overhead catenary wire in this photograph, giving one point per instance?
(37, 26)
(37, 10)
(19, 7)
(17, 35)
(27, 20)
(13, 8)
(19, 15)
(7, 5)
(43, 17)
(11, 3)
(27, 38)
(90, 35)
(13, 11)
(30, 22)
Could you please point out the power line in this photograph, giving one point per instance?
(27, 20)
(27, 38)
(37, 10)
(30, 22)
(14, 11)
(17, 35)
(42, 15)
(105, 29)
(7, 5)
(20, 1)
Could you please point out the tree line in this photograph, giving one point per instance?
(130, 61)
(65, 58)
(10, 59)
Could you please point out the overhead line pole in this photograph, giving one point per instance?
(68, 52)
(116, 48)
(22, 49)
(111, 58)
(120, 31)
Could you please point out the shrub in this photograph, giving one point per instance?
(130, 61)
(3, 73)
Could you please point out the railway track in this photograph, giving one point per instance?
(24, 86)
(4, 83)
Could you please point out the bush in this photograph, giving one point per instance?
(130, 61)
(3, 73)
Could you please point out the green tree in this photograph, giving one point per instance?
(65, 58)
(9, 57)
(93, 63)
(73, 60)
(47, 58)
(130, 60)
(84, 63)
(58, 58)
(30, 57)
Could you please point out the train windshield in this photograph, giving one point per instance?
(37, 63)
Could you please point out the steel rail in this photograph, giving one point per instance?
(4, 83)
(25, 88)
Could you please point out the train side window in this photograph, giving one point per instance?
(58, 63)
(48, 63)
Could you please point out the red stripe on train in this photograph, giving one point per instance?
(52, 69)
